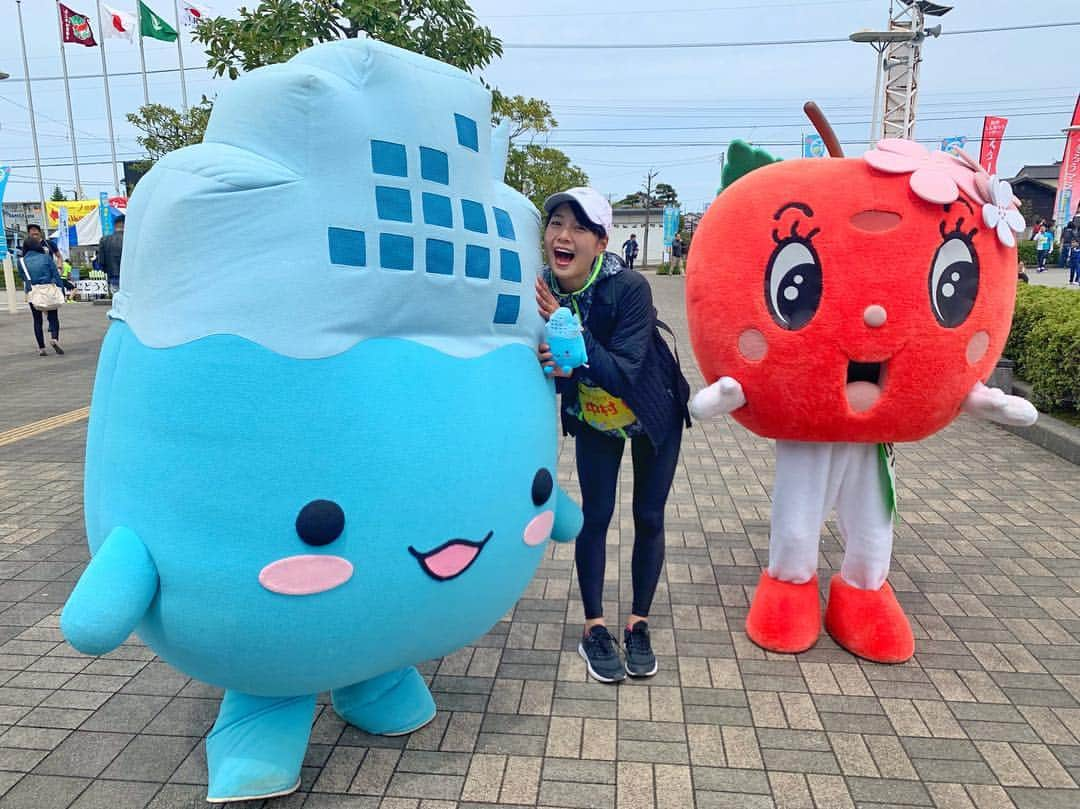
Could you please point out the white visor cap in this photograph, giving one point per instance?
(593, 204)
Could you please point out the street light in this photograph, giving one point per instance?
(4, 75)
(879, 40)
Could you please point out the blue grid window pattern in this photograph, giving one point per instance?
(473, 214)
(506, 309)
(434, 165)
(347, 247)
(395, 252)
(466, 132)
(504, 224)
(393, 204)
(440, 257)
(389, 158)
(509, 266)
(437, 210)
(477, 261)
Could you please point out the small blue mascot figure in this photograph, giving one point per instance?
(564, 338)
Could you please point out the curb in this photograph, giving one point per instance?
(1057, 436)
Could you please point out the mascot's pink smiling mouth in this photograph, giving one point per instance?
(450, 559)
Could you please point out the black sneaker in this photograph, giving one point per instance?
(640, 660)
(601, 655)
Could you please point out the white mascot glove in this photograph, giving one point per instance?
(996, 405)
(721, 397)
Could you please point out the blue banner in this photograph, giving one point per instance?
(5, 172)
(954, 145)
(105, 214)
(814, 146)
(671, 224)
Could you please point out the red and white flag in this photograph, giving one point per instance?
(193, 13)
(119, 24)
(75, 27)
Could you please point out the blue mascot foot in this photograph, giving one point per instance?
(257, 746)
(391, 704)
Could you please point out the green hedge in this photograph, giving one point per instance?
(1028, 254)
(1045, 345)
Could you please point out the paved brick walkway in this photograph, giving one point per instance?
(987, 715)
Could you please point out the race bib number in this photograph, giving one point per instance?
(601, 410)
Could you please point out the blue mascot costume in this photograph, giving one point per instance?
(321, 448)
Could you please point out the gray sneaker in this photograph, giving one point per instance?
(640, 660)
(601, 654)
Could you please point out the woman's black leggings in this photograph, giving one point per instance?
(598, 459)
(54, 325)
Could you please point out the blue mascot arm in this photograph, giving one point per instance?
(568, 518)
(112, 595)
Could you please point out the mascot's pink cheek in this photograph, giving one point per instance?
(752, 345)
(305, 575)
(539, 528)
(977, 345)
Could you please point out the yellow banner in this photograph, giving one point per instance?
(76, 209)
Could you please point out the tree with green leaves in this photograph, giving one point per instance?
(166, 129)
(540, 171)
(57, 195)
(665, 194)
(277, 30)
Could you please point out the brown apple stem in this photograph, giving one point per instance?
(824, 128)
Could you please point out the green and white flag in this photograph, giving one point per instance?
(153, 26)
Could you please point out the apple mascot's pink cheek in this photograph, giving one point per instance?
(977, 346)
(752, 345)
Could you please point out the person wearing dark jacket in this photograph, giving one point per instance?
(630, 389)
(110, 252)
(39, 268)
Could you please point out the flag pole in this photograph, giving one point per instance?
(67, 93)
(33, 124)
(108, 101)
(180, 53)
(142, 62)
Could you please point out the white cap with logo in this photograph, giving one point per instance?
(593, 204)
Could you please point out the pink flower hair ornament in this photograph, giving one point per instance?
(940, 178)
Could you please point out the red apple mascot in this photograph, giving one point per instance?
(838, 306)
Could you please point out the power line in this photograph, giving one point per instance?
(670, 11)
(593, 46)
(713, 143)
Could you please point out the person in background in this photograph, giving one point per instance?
(630, 250)
(39, 268)
(632, 390)
(1044, 243)
(48, 244)
(109, 253)
(678, 254)
(1074, 262)
(1068, 236)
(65, 277)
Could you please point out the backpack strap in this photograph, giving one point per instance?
(26, 273)
(674, 340)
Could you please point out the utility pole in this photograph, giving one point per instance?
(648, 204)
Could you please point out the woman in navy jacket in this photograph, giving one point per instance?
(631, 388)
(42, 270)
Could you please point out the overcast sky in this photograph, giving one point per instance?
(619, 99)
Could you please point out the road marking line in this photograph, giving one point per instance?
(38, 427)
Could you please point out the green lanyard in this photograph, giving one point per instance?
(573, 295)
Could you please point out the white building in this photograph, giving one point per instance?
(632, 220)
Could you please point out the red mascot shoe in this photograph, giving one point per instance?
(869, 623)
(784, 617)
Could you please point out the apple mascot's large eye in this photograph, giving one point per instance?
(793, 283)
(954, 281)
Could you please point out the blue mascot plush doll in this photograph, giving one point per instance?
(565, 339)
(321, 448)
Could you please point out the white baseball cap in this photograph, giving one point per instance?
(593, 204)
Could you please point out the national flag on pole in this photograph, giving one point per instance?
(153, 26)
(193, 13)
(75, 27)
(117, 23)
(993, 132)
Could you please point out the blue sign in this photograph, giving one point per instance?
(105, 214)
(814, 146)
(5, 172)
(954, 145)
(671, 224)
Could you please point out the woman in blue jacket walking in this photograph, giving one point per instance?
(41, 269)
(631, 389)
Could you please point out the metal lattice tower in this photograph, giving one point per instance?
(900, 65)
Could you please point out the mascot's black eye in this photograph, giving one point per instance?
(542, 487)
(320, 522)
(954, 282)
(793, 284)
